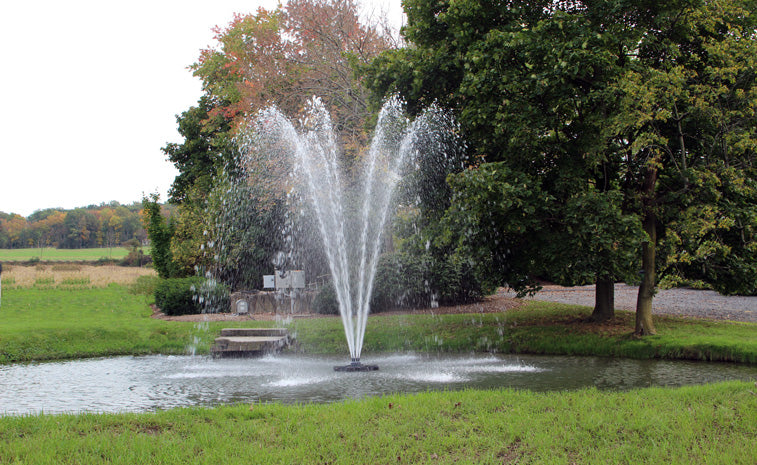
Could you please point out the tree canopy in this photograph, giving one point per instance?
(277, 57)
(611, 127)
(106, 225)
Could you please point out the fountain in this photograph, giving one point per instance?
(352, 243)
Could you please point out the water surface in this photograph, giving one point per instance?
(150, 383)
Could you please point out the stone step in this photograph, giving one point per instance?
(247, 342)
(261, 332)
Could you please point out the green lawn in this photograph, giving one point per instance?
(43, 324)
(64, 255)
(540, 328)
(713, 424)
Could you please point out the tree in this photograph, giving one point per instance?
(280, 57)
(285, 56)
(13, 226)
(529, 84)
(160, 232)
(687, 119)
(205, 150)
(546, 89)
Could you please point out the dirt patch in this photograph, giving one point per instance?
(684, 302)
(492, 304)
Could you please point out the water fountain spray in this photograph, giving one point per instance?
(352, 243)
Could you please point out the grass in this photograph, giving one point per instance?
(540, 328)
(64, 255)
(69, 276)
(711, 424)
(57, 321)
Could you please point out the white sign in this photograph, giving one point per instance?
(269, 281)
(294, 279)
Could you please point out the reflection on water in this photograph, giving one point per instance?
(160, 382)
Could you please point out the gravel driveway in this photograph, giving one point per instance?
(685, 302)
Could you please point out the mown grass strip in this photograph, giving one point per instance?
(66, 255)
(697, 424)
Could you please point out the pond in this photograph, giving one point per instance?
(148, 383)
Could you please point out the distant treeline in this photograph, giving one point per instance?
(104, 225)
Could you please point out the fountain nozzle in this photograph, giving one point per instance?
(355, 365)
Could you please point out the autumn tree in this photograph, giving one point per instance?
(280, 57)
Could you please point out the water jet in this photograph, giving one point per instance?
(350, 213)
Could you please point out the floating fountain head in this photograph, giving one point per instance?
(355, 365)
(351, 242)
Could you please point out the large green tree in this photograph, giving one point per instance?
(529, 84)
(556, 92)
(686, 127)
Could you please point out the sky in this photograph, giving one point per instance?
(91, 90)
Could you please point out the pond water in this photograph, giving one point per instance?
(149, 383)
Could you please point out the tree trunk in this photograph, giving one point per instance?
(644, 325)
(604, 301)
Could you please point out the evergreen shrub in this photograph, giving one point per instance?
(183, 296)
(325, 301)
(412, 281)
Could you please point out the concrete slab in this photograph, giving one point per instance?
(248, 342)
(262, 332)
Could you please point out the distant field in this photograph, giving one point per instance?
(63, 255)
(72, 276)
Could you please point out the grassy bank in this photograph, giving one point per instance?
(54, 323)
(64, 255)
(44, 324)
(551, 328)
(700, 424)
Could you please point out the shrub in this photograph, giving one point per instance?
(182, 296)
(176, 296)
(404, 280)
(213, 296)
(325, 301)
(135, 258)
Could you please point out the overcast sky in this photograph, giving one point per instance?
(91, 90)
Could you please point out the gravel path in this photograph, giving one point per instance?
(685, 302)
